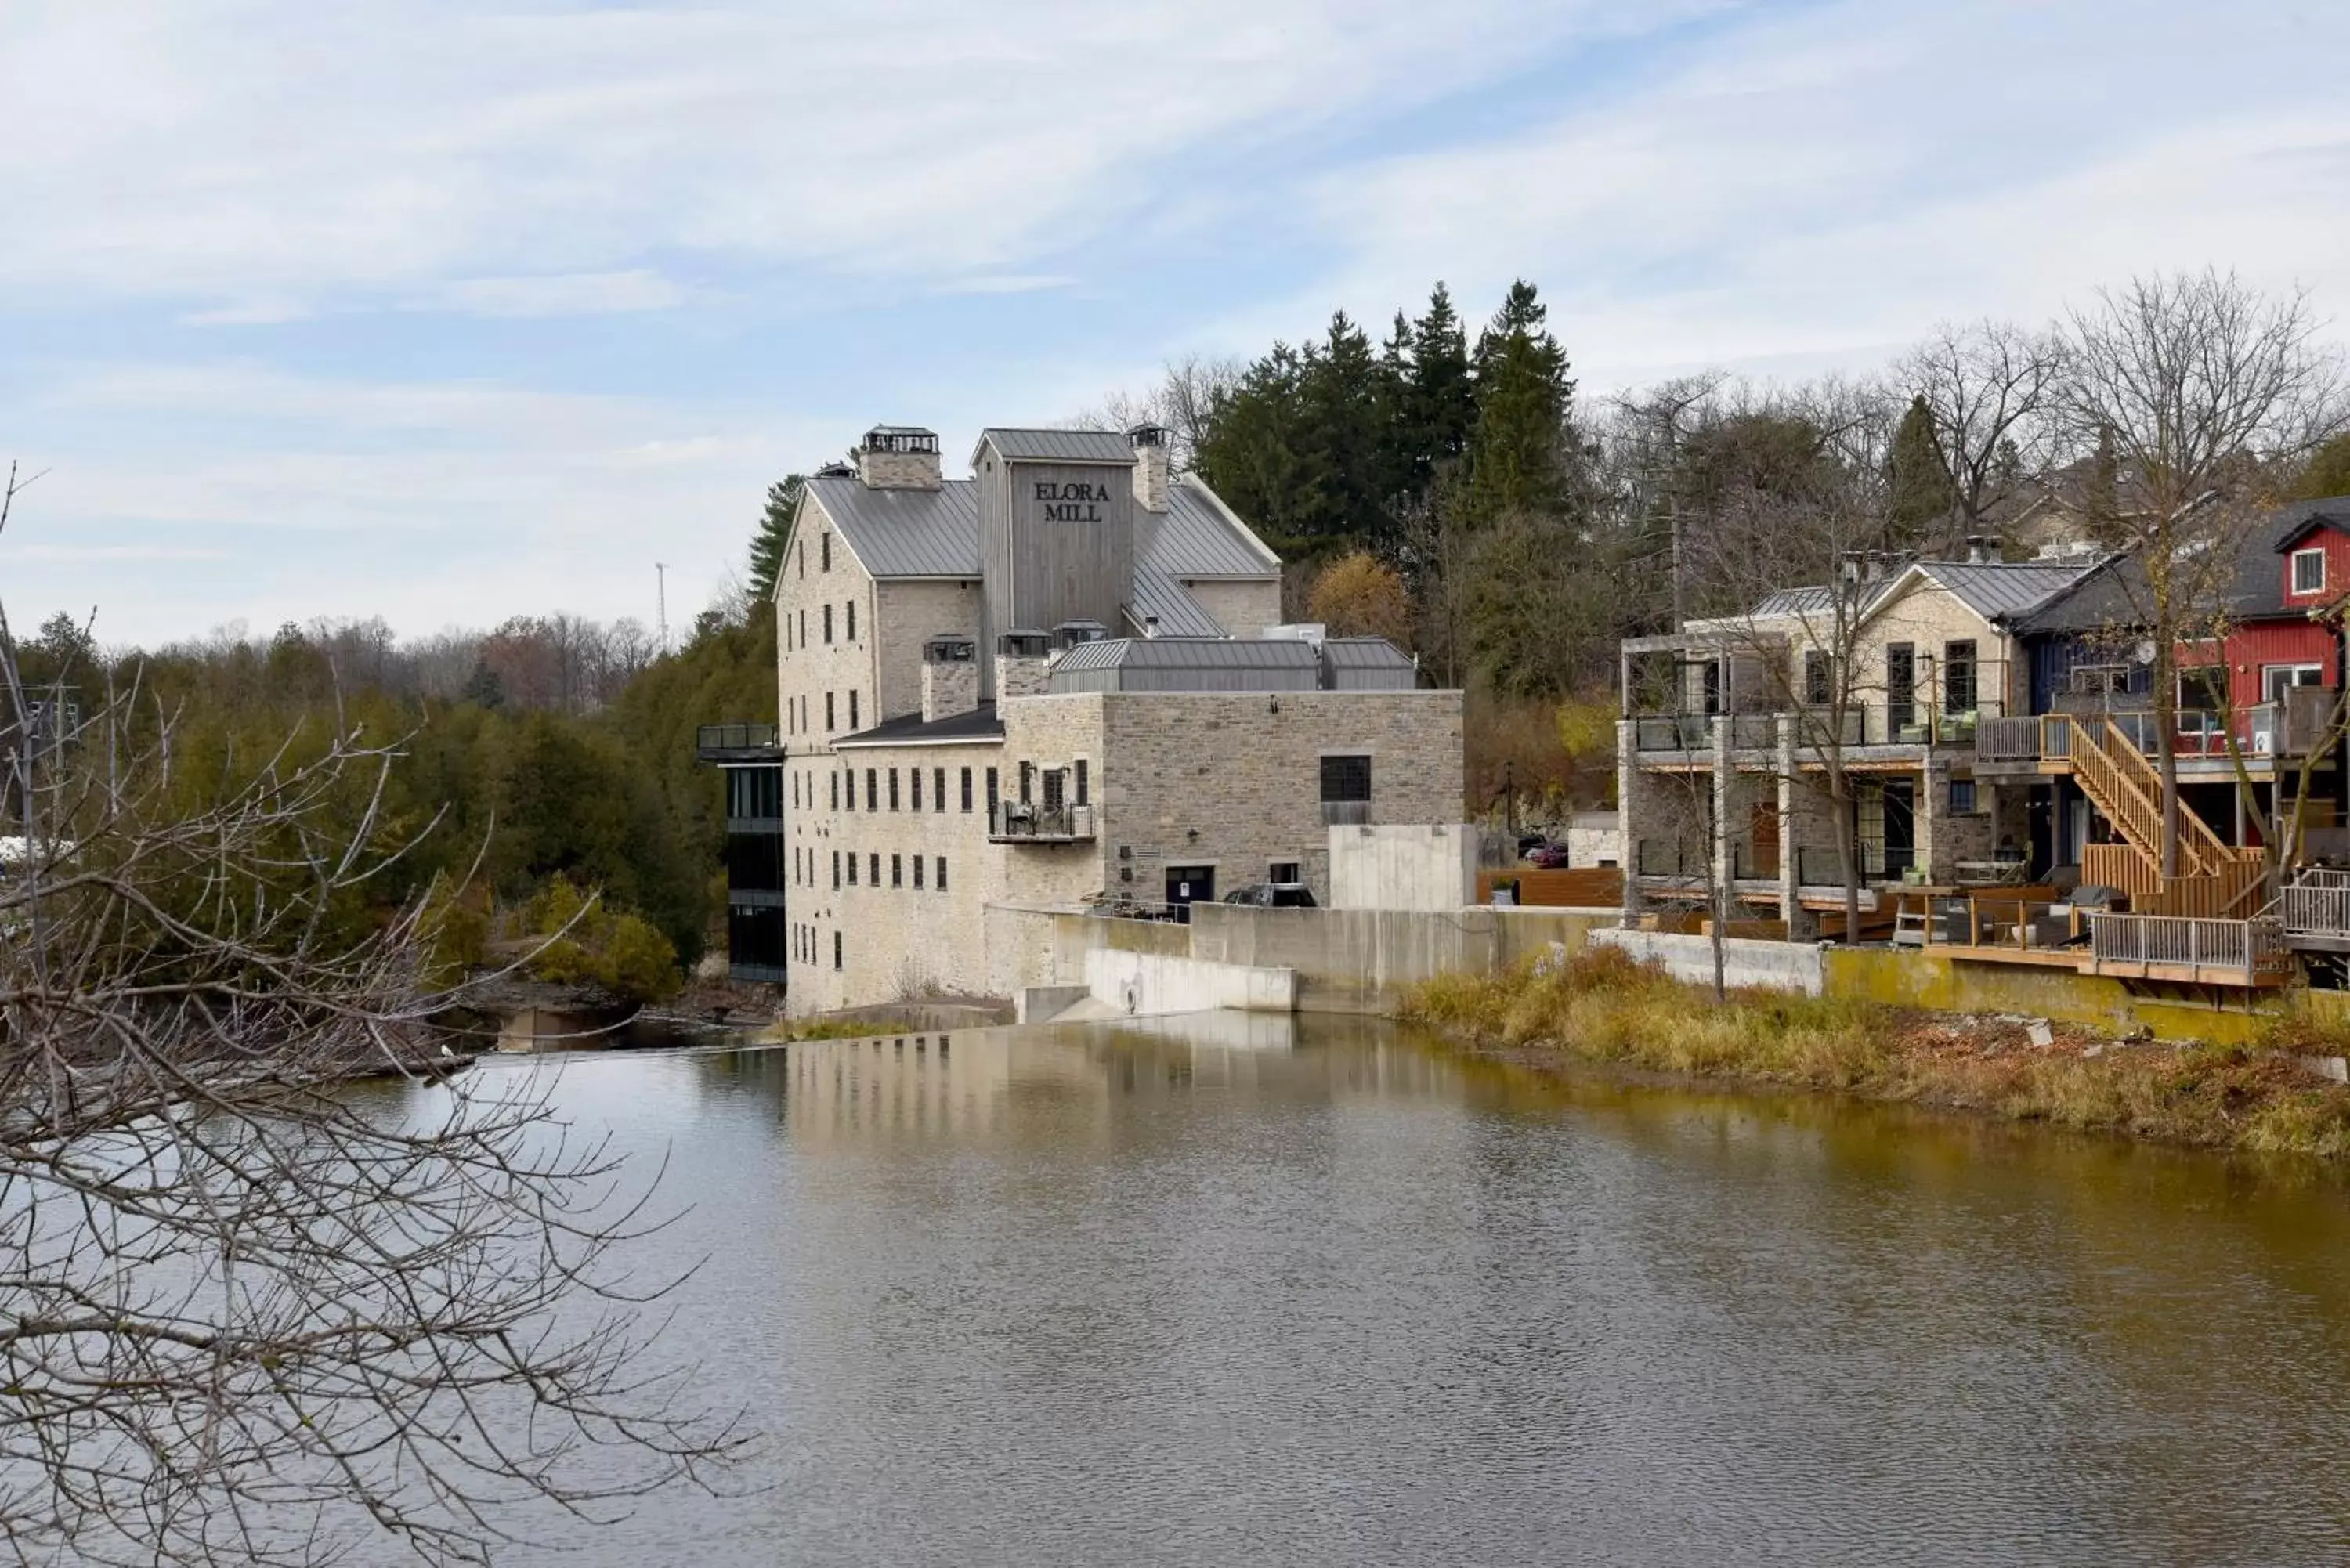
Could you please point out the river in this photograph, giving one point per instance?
(1217, 1295)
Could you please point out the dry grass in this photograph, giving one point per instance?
(1602, 1006)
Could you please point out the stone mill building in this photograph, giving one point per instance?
(1061, 683)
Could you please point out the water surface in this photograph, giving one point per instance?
(1213, 1294)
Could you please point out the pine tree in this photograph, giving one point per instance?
(2328, 474)
(1921, 496)
(1523, 399)
(1444, 403)
(773, 536)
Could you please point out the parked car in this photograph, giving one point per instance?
(1273, 895)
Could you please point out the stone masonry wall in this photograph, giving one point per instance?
(910, 613)
(898, 940)
(1242, 608)
(1232, 780)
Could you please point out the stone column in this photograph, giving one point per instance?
(1630, 803)
(1799, 924)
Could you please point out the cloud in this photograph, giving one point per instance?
(241, 150)
(565, 294)
(1834, 182)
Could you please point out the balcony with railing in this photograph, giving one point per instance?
(735, 743)
(2292, 727)
(1020, 822)
(1820, 729)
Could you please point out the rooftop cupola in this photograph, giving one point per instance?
(898, 457)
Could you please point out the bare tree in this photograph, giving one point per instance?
(254, 1316)
(2198, 381)
(1182, 404)
(1990, 388)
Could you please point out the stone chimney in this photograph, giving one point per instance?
(949, 677)
(1981, 549)
(1024, 663)
(898, 457)
(1150, 466)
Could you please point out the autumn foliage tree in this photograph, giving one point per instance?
(1359, 595)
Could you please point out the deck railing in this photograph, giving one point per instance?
(2316, 903)
(2239, 952)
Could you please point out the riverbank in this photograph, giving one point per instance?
(1602, 1006)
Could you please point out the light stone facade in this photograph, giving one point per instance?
(1226, 782)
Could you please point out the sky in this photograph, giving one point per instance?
(450, 311)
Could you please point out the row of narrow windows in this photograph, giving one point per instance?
(795, 626)
(806, 944)
(919, 872)
(796, 714)
(904, 787)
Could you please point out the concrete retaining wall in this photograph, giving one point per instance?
(1141, 984)
(1431, 868)
(1746, 963)
(1360, 960)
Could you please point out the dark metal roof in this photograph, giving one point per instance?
(1056, 446)
(1188, 664)
(977, 726)
(935, 533)
(1367, 664)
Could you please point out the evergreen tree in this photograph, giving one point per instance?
(2328, 474)
(767, 546)
(1523, 399)
(1442, 409)
(1921, 496)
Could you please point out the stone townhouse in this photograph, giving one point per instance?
(1730, 728)
(1051, 685)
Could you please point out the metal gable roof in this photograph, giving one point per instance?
(935, 534)
(1998, 589)
(905, 533)
(1056, 446)
(1179, 615)
(1199, 536)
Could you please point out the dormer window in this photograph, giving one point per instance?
(2308, 571)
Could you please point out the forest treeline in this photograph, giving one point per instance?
(545, 759)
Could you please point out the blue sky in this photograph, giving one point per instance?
(449, 312)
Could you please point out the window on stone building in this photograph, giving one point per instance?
(893, 789)
(787, 635)
(852, 620)
(914, 788)
(1959, 676)
(1345, 778)
(938, 789)
(1027, 782)
(854, 722)
(836, 790)
(942, 873)
(1962, 797)
(802, 629)
(836, 868)
(825, 542)
(835, 950)
(872, 789)
(829, 715)
(873, 865)
(1819, 682)
(1083, 783)
(918, 872)
(827, 622)
(897, 871)
(1057, 788)
(991, 795)
(802, 549)
(852, 867)
(1284, 871)
(966, 790)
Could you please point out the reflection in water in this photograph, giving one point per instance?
(1205, 1292)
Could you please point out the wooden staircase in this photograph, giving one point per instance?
(2216, 880)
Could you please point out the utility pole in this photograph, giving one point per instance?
(661, 604)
